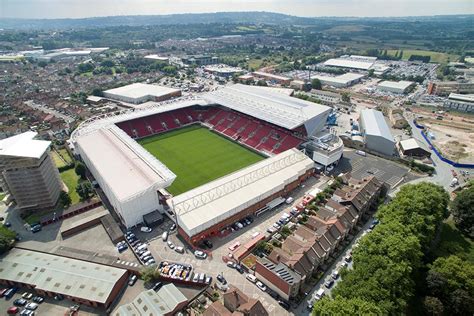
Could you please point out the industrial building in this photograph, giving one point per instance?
(460, 102)
(83, 282)
(200, 60)
(272, 77)
(400, 87)
(155, 57)
(447, 87)
(167, 301)
(327, 97)
(413, 148)
(341, 81)
(27, 171)
(206, 210)
(376, 133)
(137, 93)
(223, 70)
(351, 62)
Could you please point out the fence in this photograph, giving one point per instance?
(440, 156)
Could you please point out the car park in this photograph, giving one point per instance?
(261, 286)
(200, 255)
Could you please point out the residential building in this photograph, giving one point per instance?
(236, 303)
(278, 277)
(361, 194)
(27, 171)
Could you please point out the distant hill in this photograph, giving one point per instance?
(194, 18)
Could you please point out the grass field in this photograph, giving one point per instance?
(197, 156)
(436, 57)
(71, 180)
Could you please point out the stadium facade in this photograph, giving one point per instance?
(259, 118)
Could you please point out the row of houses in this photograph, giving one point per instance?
(286, 269)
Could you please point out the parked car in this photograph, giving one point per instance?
(348, 258)
(36, 228)
(164, 236)
(27, 312)
(31, 306)
(208, 243)
(10, 292)
(7, 224)
(172, 227)
(132, 280)
(38, 299)
(200, 255)
(289, 200)
(208, 279)
(13, 310)
(20, 302)
(239, 268)
(261, 286)
(170, 244)
(335, 275)
(179, 249)
(252, 278)
(221, 279)
(157, 286)
(329, 283)
(3, 291)
(284, 304)
(271, 230)
(145, 229)
(231, 264)
(58, 297)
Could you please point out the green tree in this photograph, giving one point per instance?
(433, 306)
(316, 84)
(345, 97)
(80, 170)
(462, 210)
(64, 199)
(97, 92)
(149, 273)
(458, 273)
(5, 243)
(345, 306)
(262, 83)
(371, 72)
(84, 190)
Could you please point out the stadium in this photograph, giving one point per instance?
(210, 160)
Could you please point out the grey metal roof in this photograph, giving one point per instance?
(375, 124)
(262, 103)
(51, 273)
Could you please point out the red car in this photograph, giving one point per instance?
(13, 310)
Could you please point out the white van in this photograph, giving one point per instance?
(252, 278)
(289, 200)
(164, 236)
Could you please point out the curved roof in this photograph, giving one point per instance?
(264, 104)
(375, 124)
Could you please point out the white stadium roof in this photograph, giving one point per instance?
(273, 107)
(139, 90)
(23, 145)
(375, 124)
(209, 204)
(124, 165)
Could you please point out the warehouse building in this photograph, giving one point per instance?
(342, 81)
(272, 77)
(166, 302)
(200, 60)
(155, 57)
(137, 93)
(206, 210)
(28, 173)
(222, 70)
(400, 87)
(376, 133)
(80, 281)
(128, 174)
(460, 102)
(327, 97)
(351, 62)
(412, 148)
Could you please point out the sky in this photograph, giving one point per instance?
(47, 9)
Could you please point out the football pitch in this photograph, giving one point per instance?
(197, 156)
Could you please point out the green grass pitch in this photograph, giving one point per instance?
(197, 156)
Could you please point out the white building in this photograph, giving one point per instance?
(157, 58)
(324, 148)
(137, 93)
(460, 102)
(128, 174)
(351, 62)
(326, 96)
(399, 87)
(376, 133)
(342, 81)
